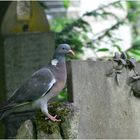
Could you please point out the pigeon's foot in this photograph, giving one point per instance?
(52, 118)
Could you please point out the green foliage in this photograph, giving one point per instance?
(136, 43)
(66, 3)
(133, 10)
(118, 47)
(47, 126)
(134, 51)
(76, 32)
(71, 32)
(63, 95)
(133, 16)
(59, 23)
(103, 50)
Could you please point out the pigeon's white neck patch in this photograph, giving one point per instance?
(54, 62)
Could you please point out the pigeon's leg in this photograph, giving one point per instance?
(52, 118)
(44, 109)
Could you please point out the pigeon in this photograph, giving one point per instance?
(43, 85)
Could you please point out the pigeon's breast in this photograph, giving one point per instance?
(60, 72)
(58, 86)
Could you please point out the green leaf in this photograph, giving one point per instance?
(134, 51)
(66, 3)
(103, 50)
(136, 43)
(118, 47)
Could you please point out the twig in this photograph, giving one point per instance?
(101, 8)
(106, 31)
(70, 26)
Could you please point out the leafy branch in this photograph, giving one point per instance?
(76, 32)
(101, 8)
(93, 13)
(106, 32)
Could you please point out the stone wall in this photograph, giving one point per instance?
(24, 53)
(107, 110)
(101, 108)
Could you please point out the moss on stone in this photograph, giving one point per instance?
(47, 126)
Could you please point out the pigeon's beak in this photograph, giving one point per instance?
(71, 52)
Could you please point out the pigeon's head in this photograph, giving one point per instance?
(63, 49)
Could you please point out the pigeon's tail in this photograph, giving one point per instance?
(4, 111)
(13, 108)
(2, 115)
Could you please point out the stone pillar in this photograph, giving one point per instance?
(107, 110)
(28, 45)
(24, 54)
(3, 6)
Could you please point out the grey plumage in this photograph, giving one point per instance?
(41, 86)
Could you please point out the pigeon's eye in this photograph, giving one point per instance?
(63, 48)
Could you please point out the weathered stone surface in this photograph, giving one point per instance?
(23, 55)
(107, 110)
(23, 9)
(47, 129)
(25, 131)
(14, 121)
(101, 109)
(54, 135)
(70, 123)
(34, 19)
(66, 129)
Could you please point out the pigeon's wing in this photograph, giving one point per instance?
(36, 86)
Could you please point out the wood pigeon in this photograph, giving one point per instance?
(44, 84)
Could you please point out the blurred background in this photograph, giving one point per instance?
(96, 29)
